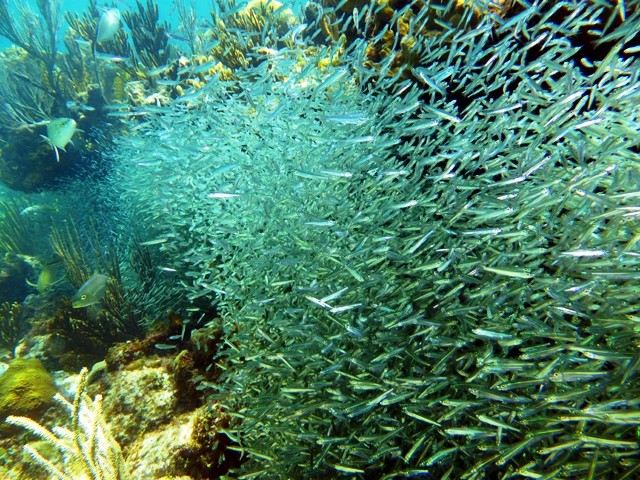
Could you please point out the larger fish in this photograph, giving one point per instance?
(51, 274)
(108, 25)
(59, 133)
(91, 292)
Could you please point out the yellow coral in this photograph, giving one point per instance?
(268, 7)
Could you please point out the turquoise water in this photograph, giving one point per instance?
(166, 10)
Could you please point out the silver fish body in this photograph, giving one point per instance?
(91, 292)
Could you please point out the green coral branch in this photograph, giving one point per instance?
(36, 33)
(33, 86)
(123, 315)
(13, 324)
(149, 35)
(89, 447)
(67, 245)
(28, 101)
(14, 233)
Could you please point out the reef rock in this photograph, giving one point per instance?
(26, 388)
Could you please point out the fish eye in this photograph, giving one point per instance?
(84, 297)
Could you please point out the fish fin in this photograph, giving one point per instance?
(55, 149)
(31, 284)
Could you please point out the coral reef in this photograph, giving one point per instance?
(400, 239)
(72, 338)
(237, 32)
(40, 84)
(143, 398)
(26, 388)
(191, 446)
(86, 449)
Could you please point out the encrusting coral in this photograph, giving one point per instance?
(26, 388)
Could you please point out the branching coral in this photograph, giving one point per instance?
(149, 35)
(87, 69)
(236, 33)
(34, 32)
(134, 297)
(188, 24)
(87, 449)
(26, 100)
(32, 100)
(13, 324)
(67, 245)
(122, 315)
(15, 236)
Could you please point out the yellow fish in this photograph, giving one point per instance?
(59, 133)
(50, 274)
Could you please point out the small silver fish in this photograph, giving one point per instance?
(91, 292)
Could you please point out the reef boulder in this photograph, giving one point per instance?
(26, 388)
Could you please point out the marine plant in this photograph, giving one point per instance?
(39, 84)
(15, 234)
(86, 449)
(89, 64)
(35, 33)
(13, 325)
(428, 276)
(188, 25)
(122, 316)
(134, 300)
(36, 85)
(68, 246)
(149, 35)
(26, 99)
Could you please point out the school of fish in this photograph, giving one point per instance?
(432, 274)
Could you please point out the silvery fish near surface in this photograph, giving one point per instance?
(108, 25)
(91, 292)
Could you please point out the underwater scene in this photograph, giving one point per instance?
(367, 239)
